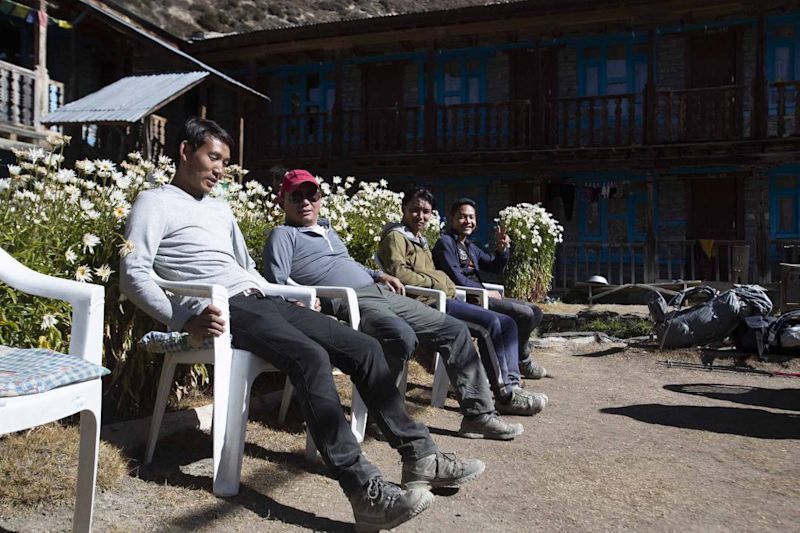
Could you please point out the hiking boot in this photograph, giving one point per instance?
(440, 470)
(530, 369)
(522, 403)
(538, 397)
(383, 505)
(488, 426)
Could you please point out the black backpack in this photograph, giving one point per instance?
(752, 335)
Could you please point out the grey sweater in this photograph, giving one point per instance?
(313, 257)
(182, 238)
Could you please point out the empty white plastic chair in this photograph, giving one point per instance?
(38, 386)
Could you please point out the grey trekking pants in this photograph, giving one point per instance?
(400, 324)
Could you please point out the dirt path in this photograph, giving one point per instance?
(625, 444)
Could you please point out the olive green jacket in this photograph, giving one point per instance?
(409, 259)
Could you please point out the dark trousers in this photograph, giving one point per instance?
(401, 324)
(304, 344)
(526, 315)
(497, 343)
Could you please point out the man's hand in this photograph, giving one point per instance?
(208, 322)
(495, 294)
(302, 303)
(393, 283)
(502, 239)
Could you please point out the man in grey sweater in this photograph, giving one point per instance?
(309, 251)
(182, 234)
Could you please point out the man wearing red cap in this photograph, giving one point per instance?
(182, 234)
(309, 251)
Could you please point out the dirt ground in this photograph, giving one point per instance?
(625, 444)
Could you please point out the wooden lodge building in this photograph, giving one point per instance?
(61, 52)
(663, 134)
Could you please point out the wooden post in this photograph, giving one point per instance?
(759, 125)
(650, 245)
(338, 76)
(650, 92)
(538, 98)
(430, 100)
(763, 272)
(202, 106)
(42, 83)
(240, 107)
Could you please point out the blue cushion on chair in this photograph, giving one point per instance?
(34, 370)
(173, 341)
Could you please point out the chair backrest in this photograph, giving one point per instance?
(87, 301)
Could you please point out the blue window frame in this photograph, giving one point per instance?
(308, 96)
(784, 193)
(783, 60)
(607, 68)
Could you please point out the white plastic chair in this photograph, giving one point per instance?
(358, 418)
(86, 340)
(483, 293)
(234, 373)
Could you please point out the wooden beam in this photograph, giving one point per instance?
(566, 22)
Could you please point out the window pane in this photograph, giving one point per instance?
(452, 76)
(616, 69)
(786, 182)
(786, 211)
(592, 82)
(783, 65)
(617, 88)
(452, 100)
(640, 77)
(473, 91)
(617, 51)
(313, 93)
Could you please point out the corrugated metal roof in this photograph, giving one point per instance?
(127, 100)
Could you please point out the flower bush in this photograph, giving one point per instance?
(534, 235)
(69, 222)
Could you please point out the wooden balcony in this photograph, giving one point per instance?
(651, 117)
(622, 263)
(18, 113)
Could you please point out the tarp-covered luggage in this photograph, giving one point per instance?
(710, 321)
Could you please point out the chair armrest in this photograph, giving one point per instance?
(441, 298)
(87, 301)
(307, 295)
(483, 294)
(495, 287)
(345, 293)
(461, 296)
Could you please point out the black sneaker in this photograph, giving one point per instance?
(440, 470)
(383, 505)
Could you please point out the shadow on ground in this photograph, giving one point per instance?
(788, 399)
(756, 423)
(184, 460)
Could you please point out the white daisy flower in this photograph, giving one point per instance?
(90, 240)
(83, 273)
(48, 321)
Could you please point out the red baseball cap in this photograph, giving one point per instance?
(293, 179)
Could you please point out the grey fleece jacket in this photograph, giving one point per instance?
(182, 238)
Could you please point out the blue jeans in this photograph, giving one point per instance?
(526, 315)
(497, 343)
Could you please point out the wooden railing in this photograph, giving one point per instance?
(653, 116)
(394, 129)
(609, 120)
(622, 263)
(708, 113)
(17, 93)
(488, 126)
